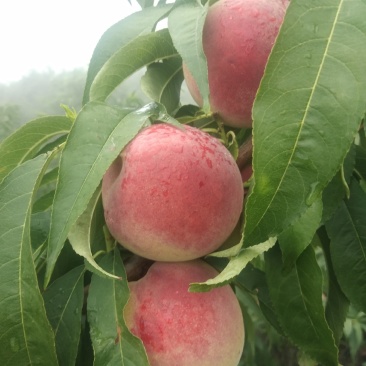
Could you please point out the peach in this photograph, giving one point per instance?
(238, 36)
(181, 328)
(173, 194)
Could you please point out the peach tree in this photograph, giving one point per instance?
(297, 253)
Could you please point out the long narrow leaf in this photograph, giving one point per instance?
(138, 53)
(118, 36)
(162, 82)
(234, 267)
(307, 111)
(26, 337)
(112, 342)
(24, 142)
(186, 26)
(88, 153)
(80, 236)
(347, 231)
(336, 190)
(361, 161)
(337, 303)
(297, 299)
(64, 301)
(294, 240)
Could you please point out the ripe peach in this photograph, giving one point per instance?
(173, 194)
(238, 36)
(181, 328)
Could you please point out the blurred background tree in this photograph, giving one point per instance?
(39, 94)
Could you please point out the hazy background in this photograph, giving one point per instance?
(45, 50)
(37, 35)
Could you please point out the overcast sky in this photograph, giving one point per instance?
(57, 35)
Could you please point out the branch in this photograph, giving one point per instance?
(245, 154)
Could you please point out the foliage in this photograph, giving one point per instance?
(9, 119)
(42, 93)
(297, 262)
(39, 94)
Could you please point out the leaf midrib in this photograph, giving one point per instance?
(321, 66)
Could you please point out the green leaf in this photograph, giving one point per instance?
(52, 144)
(297, 299)
(26, 337)
(162, 82)
(247, 304)
(50, 177)
(230, 252)
(80, 236)
(24, 143)
(138, 53)
(145, 3)
(234, 267)
(232, 144)
(86, 353)
(347, 231)
(66, 261)
(64, 301)
(233, 243)
(305, 118)
(336, 190)
(254, 280)
(88, 153)
(361, 161)
(44, 202)
(112, 342)
(267, 308)
(118, 36)
(337, 303)
(101, 239)
(40, 228)
(46, 193)
(70, 112)
(186, 26)
(294, 240)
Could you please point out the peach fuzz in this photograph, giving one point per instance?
(180, 328)
(173, 194)
(238, 36)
